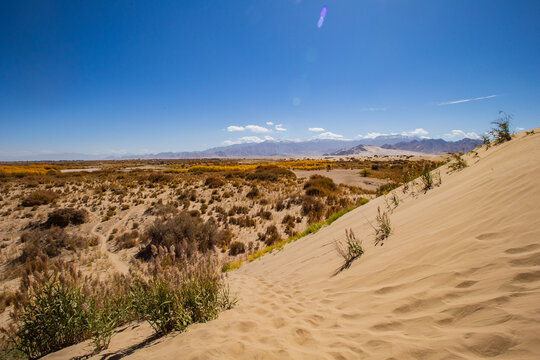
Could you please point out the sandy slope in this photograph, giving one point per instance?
(458, 279)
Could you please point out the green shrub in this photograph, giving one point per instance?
(55, 316)
(501, 132)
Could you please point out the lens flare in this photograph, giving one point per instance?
(321, 18)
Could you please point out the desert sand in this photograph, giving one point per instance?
(459, 278)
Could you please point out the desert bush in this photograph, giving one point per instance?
(365, 173)
(213, 182)
(236, 248)
(189, 235)
(318, 185)
(253, 193)
(237, 210)
(66, 216)
(427, 179)
(270, 236)
(39, 197)
(270, 173)
(501, 132)
(312, 208)
(159, 178)
(265, 214)
(49, 242)
(350, 250)
(383, 229)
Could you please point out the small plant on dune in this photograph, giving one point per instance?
(427, 179)
(459, 162)
(486, 141)
(383, 229)
(501, 132)
(350, 250)
(529, 132)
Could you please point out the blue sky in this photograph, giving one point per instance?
(104, 77)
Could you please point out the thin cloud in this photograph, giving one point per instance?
(415, 132)
(269, 123)
(467, 100)
(316, 129)
(329, 136)
(235, 128)
(253, 128)
(460, 134)
(279, 127)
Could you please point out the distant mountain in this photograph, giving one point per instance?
(358, 149)
(270, 148)
(435, 146)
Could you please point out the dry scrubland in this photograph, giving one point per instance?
(439, 269)
(142, 234)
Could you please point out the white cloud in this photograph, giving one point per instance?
(460, 134)
(257, 129)
(235, 128)
(466, 100)
(269, 138)
(244, 139)
(279, 127)
(269, 123)
(415, 132)
(329, 135)
(253, 128)
(520, 129)
(374, 135)
(316, 129)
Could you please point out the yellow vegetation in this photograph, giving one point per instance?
(28, 170)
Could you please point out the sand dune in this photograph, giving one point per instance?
(458, 279)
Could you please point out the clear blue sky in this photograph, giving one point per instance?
(105, 77)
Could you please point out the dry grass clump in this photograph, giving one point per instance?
(236, 248)
(39, 197)
(66, 216)
(188, 235)
(127, 240)
(270, 236)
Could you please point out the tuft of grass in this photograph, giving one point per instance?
(459, 162)
(349, 250)
(427, 180)
(383, 229)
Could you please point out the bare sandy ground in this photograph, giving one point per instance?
(459, 278)
(344, 176)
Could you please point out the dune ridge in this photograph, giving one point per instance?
(459, 278)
